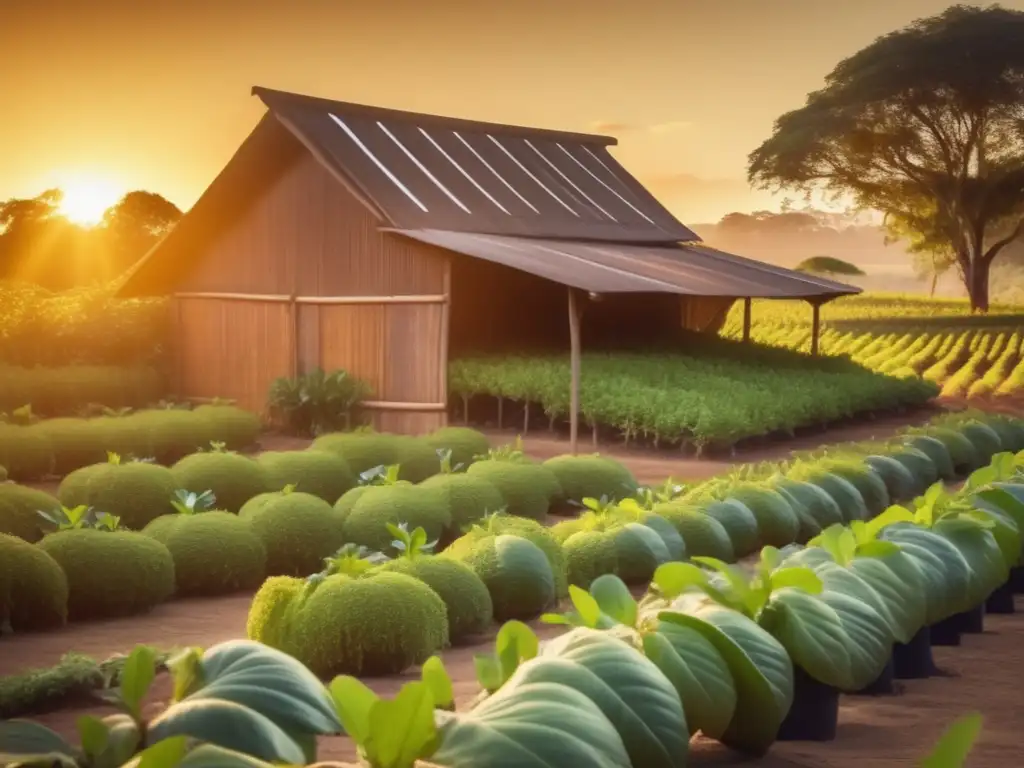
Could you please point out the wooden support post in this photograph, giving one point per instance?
(446, 322)
(815, 327)
(747, 306)
(574, 367)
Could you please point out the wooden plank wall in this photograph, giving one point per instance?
(309, 237)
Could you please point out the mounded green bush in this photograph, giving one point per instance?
(815, 501)
(961, 450)
(320, 473)
(899, 482)
(986, 441)
(136, 491)
(536, 534)
(528, 488)
(917, 463)
(777, 523)
(563, 529)
(75, 443)
(214, 552)
(866, 480)
(298, 530)
(464, 443)
(842, 491)
(516, 571)
(25, 452)
(343, 506)
(595, 476)
(670, 537)
(174, 433)
(809, 525)
(237, 428)
(365, 450)
(589, 554)
(639, 550)
(19, 506)
(111, 573)
(1010, 430)
(738, 521)
(937, 451)
(33, 588)
(233, 478)
(703, 535)
(468, 497)
(366, 522)
(467, 601)
(379, 624)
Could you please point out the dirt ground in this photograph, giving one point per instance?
(985, 674)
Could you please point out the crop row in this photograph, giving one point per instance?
(744, 655)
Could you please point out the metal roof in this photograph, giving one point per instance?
(693, 270)
(430, 172)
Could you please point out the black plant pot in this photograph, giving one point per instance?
(1001, 601)
(883, 685)
(1017, 580)
(913, 660)
(946, 632)
(815, 711)
(972, 622)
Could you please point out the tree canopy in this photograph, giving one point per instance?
(926, 124)
(827, 265)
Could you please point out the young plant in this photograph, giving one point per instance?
(351, 560)
(648, 496)
(597, 506)
(316, 402)
(189, 503)
(955, 744)
(380, 475)
(410, 545)
(514, 644)
(217, 446)
(21, 417)
(445, 457)
(511, 452)
(116, 412)
(82, 516)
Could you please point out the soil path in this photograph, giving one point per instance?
(985, 674)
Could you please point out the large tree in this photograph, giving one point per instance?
(136, 222)
(926, 125)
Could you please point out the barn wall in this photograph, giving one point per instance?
(307, 236)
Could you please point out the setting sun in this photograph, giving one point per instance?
(86, 200)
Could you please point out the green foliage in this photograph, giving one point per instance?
(320, 473)
(469, 497)
(214, 553)
(80, 518)
(464, 443)
(111, 574)
(381, 623)
(233, 479)
(527, 488)
(316, 402)
(136, 492)
(298, 531)
(596, 476)
(367, 450)
(368, 520)
(33, 587)
(828, 265)
(19, 511)
(540, 535)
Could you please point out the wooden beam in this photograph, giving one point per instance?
(438, 298)
(446, 322)
(276, 298)
(395, 405)
(574, 367)
(747, 307)
(815, 327)
(293, 328)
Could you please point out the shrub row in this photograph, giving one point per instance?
(59, 446)
(72, 389)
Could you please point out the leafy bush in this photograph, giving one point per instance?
(366, 450)
(33, 588)
(235, 427)
(214, 552)
(298, 531)
(366, 523)
(704, 535)
(320, 473)
(469, 498)
(233, 478)
(111, 573)
(528, 488)
(19, 511)
(136, 492)
(67, 390)
(464, 443)
(581, 477)
(377, 624)
(316, 402)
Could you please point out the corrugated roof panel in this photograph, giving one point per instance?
(489, 178)
(624, 268)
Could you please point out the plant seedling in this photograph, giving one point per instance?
(410, 545)
(76, 518)
(445, 457)
(514, 644)
(380, 475)
(189, 503)
(350, 560)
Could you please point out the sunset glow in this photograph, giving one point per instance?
(86, 200)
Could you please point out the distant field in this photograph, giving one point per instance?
(967, 356)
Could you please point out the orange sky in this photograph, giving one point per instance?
(154, 94)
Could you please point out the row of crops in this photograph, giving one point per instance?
(715, 394)
(848, 589)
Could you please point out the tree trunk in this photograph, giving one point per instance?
(977, 285)
(935, 282)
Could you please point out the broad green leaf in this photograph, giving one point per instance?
(24, 737)
(955, 744)
(586, 606)
(187, 670)
(982, 477)
(353, 701)
(515, 644)
(417, 539)
(558, 618)
(166, 753)
(796, 577)
(614, 599)
(947, 576)
(123, 740)
(402, 728)
(488, 672)
(228, 725)
(437, 680)
(699, 673)
(136, 677)
(531, 725)
(638, 700)
(891, 516)
(269, 682)
(672, 579)
(979, 548)
(209, 756)
(93, 735)
(877, 548)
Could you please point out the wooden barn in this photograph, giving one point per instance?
(386, 243)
